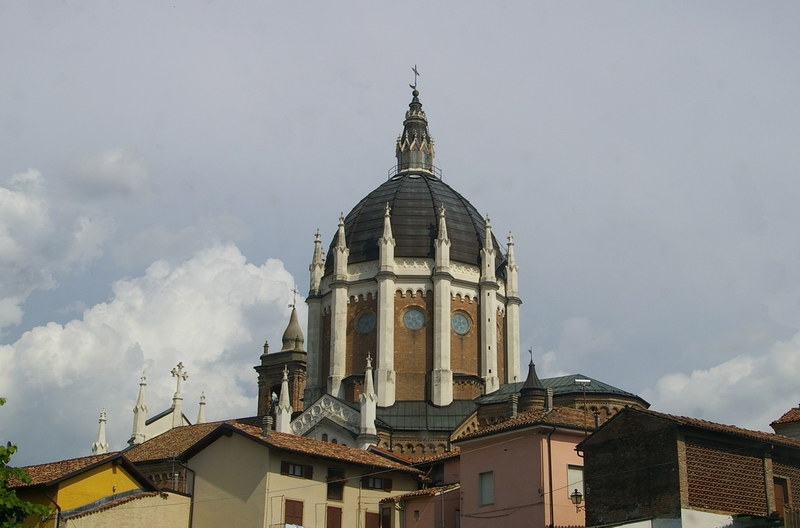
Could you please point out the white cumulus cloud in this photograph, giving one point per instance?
(749, 390)
(212, 312)
(40, 236)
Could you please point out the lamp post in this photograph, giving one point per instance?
(583, 382)
(577, 497)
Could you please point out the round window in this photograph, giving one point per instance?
(366, 323)
(460, 323)
(414, 319)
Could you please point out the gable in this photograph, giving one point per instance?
(327, 430)
(327, 407)
(95, 483)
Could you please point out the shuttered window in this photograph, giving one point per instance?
(293, 512)
(372, 520)
(377, 483)
(296, 470)
(333, 517)
(486, 488)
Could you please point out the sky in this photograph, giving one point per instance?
(164, 167)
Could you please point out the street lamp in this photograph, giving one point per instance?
(577, 497)
(583, 382)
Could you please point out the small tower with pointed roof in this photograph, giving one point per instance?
(532, 394)
(139, 415)
(283, 412)
(271, 370)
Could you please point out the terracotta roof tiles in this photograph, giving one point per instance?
(52, 471)
(427, 492)
(563, 416)
(792, 415)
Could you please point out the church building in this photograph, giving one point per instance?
(416, 284)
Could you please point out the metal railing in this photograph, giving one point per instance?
(429, 169)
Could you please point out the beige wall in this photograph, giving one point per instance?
(238, 482)
(167, 510)
(521, 485)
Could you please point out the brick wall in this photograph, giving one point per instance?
(631, 471)
(464, 348)
(413, 349)
(788, 468)
(358, 344)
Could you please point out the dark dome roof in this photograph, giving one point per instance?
(414, 199)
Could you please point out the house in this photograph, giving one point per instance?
(788, 424)
(99, 490)
(653, 470)
(243, 475)
(521, 472)
(436, 505)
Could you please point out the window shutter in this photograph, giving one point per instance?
(284, 467)
(365, 482)
(387, 484)
(308, 472)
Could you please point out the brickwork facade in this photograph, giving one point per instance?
(360, 344)
(413, 349)
(464, 348)
(725, 478)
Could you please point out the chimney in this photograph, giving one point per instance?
(266, 426)
(514, 402)
(548, 400)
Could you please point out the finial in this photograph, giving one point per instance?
(387, 209)
(143, 379)
(369, 361)
(295, 292)
(441, 209)
(530, 351)
(286, 373)
(414, 86)
(203, 397)
(510, 238)
(318, 236)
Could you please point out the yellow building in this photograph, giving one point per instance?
(99, 490)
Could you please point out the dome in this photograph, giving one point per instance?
(414, 192)
(414, 199)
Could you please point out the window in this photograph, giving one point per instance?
(336, 482)
(781, 494)
(372, 520)
(574, 480)
(416, 515)
(386, 518)
(296, 470)
(333, 517)
(486, 488)
(293, 512)
(384, 484)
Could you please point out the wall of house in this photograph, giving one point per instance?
(725, 478)
(230, 483)
(521, 486)
(238, 482)
(631, 471)
(167, 510)
(94, 484)
(429, 510)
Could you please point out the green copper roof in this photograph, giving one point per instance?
(560, 385)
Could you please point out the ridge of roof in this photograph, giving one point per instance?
(560, 415)
(53, 471)
(425, 492)
(720, 428)
(792, 415)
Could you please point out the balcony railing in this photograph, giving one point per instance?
(408, 167)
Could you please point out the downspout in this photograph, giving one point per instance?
(191, 497)
(550, 476)
(58, 508)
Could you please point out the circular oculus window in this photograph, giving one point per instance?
(366, 323)
(460, 323)
(414, 319)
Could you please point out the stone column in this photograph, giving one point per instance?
(339, 299)
(442, 376)
(512, 313)
(488, 313)
(314, 383)
(385, 381)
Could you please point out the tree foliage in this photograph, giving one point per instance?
(11, 506)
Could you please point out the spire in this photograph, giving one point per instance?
(341, 243)
(487, 236)
(100, 447)
(414, 149)
(201, 413)
(139, 415)
(369, 408)
(442, 224)
(293, 336)
(317, 266)
(340, 253)
(177, 399)
(283, 413)
(442, 243)
(386, 242)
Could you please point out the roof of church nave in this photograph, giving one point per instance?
(179, 441)
(414, 197)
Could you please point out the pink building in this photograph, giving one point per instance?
(522, 471)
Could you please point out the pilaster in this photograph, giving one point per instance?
(488, 311)
(442, 375)
(385, 382)
(339, 298)
(316, 269)
(512, 313)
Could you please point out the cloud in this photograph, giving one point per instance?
(749, 390)
(109, 172)
(579, 338)
(40, 236)
(212, 312)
